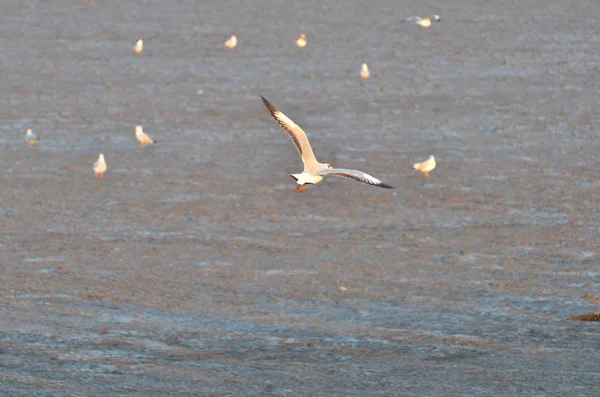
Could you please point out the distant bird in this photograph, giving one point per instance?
(364, 71)
(426, 166)
(232, 42)
(424, 22)
(301, 41)
(139, 46)
(142, 137)
(30, 138)
(100, 166)
(314, 172)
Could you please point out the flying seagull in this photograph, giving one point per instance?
(424, 22)
(314, 172)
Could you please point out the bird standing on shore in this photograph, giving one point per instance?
(139, 46)
(426, 166)
(231, 42)
(142, 137)
(301, 41)
(30, 138)
(100, 166)
(364, 72)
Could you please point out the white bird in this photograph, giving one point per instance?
(424, 22)
(100, 166)
(142, 137)
(426, 166)
(301, 41)
(30, 137)
(139, 46)
(232, 42)
(364, 71)
(314, 172)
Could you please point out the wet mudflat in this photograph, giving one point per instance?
(195, 268)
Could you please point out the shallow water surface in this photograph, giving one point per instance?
(195, 268)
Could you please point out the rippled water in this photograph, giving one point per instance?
(195, 268)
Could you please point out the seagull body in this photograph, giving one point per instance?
(232, 42)
(424, 22)
(301, 41)
(139, 46)
(426, 166)
(30, 137)
(364, 71)
(314, 172)
(142, 137)
(100, 166)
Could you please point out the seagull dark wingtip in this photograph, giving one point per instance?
(272, 109)
(267, 103)
(386, 186)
